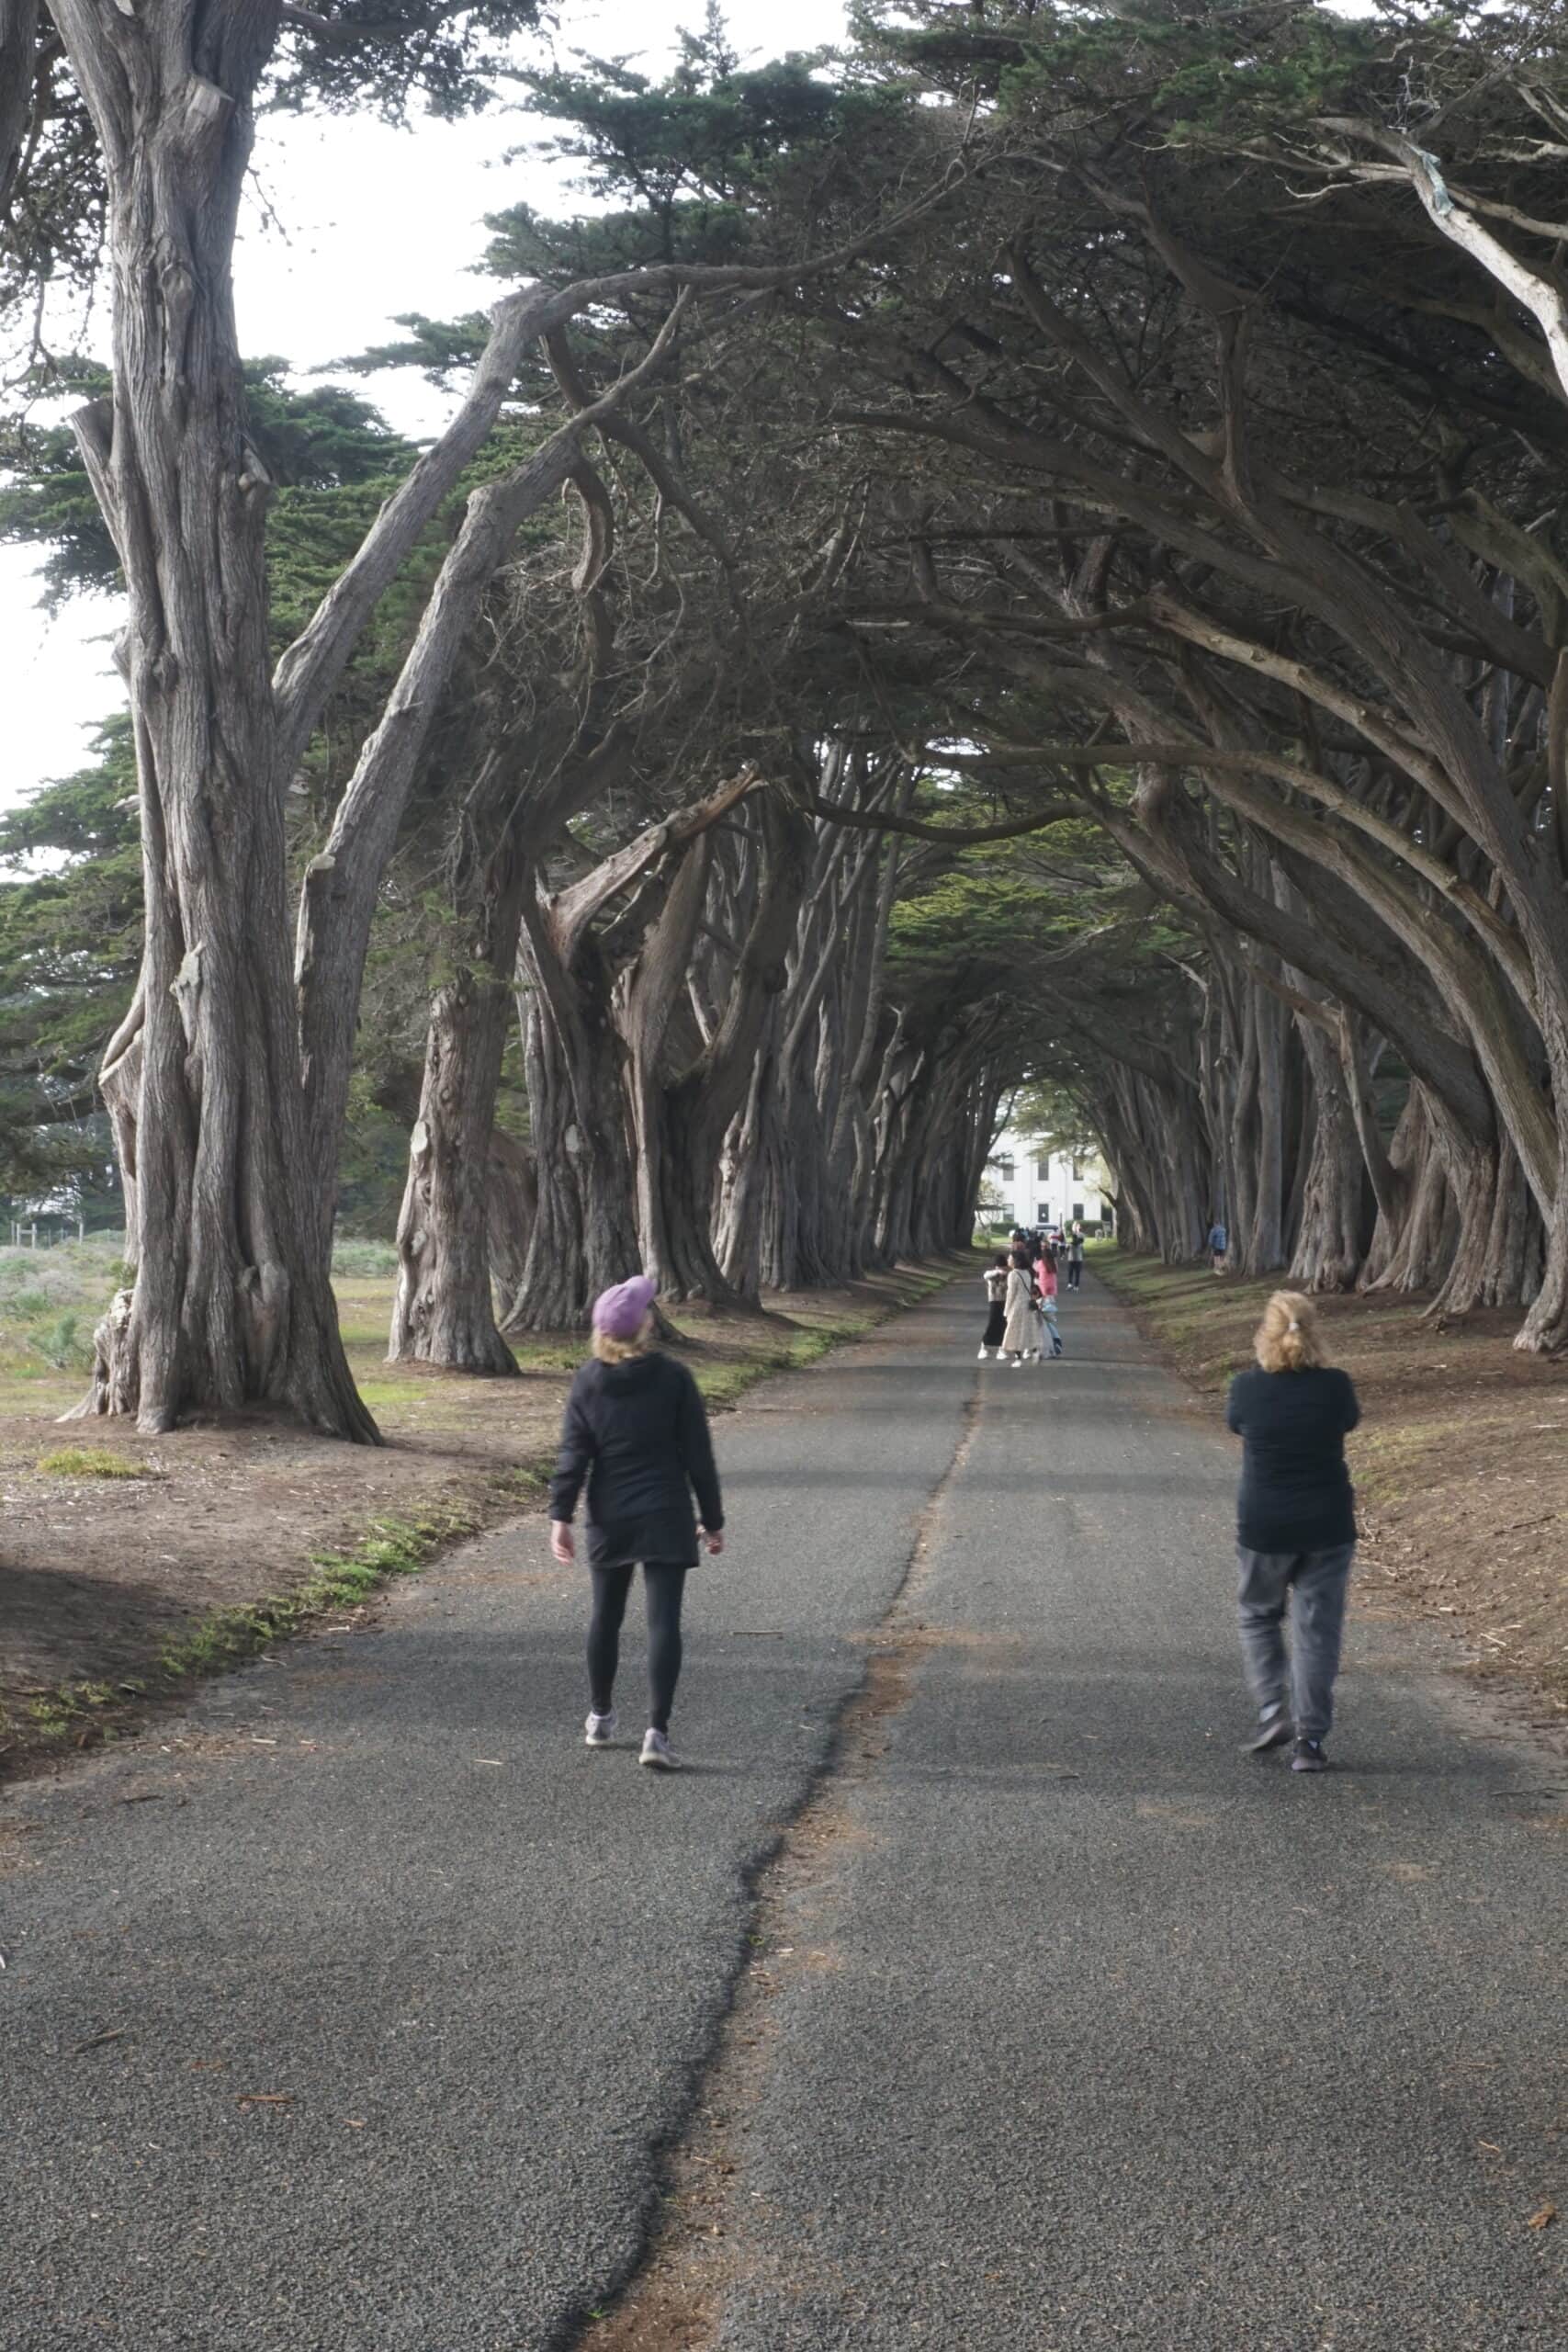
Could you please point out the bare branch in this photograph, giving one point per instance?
(571, 909)
(1540, 296)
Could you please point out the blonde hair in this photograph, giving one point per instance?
(1288, 1338)
(613, 1351)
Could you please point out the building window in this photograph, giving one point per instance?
(1006, 1166)
(1077, 1212)
(1042, 1171)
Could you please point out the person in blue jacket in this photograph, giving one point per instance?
(636, 1434)
(1295, 1526)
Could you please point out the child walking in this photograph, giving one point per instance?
(996, 1283)
(636, 1433)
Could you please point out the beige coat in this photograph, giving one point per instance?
(1021, 1334)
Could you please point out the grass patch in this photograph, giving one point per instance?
(79, 1714)
(390, 1547)
(1186, 1310)
(68, 1715)
(392, 1391)
(363, 1258)
(90, 1462)
(50, 1301)
(545, 1355)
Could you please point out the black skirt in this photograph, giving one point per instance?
(996, 1324)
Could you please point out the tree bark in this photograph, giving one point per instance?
(1330, 1243)
(680, 1119)
(512, 1204)
(232, 1302)
(584, 1235)
(443, 1312)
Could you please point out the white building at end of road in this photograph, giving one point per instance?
(1027, 1183)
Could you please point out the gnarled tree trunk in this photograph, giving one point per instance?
(584, 1232)
(680, 1119)
(1330, 1242)
(232, 1302)
(442, 1311)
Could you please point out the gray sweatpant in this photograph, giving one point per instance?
(1312, 1585)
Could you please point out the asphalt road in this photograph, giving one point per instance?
(1126, 2041)
(1131, 2040)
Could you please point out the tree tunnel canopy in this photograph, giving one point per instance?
(1032, 547)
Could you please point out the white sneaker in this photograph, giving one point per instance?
(600, 1730)
(658, 1754)
(983, 1353)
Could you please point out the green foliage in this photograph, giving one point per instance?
(683, 168)
(70, 943)
(50, 1301)
(64, 1344)
(1048, 1109)
(48, 502)
(362, 1259)
(379, 57)
(91, 1462)
(323, 439)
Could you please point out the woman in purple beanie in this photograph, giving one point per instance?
(636, 1433)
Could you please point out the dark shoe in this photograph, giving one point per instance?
(1274, 1730)
(1307, 1756)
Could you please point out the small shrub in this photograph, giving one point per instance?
(91, 1462)
(362, 1258)
(64, 1344)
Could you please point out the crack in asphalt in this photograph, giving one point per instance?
(697, 2246)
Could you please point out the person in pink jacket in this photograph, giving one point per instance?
(1046, 1275)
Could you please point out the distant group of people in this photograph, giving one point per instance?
(636, 1437)
(1021, 1286)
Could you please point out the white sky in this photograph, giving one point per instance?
(369, 222)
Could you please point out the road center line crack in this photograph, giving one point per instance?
(701, 2239)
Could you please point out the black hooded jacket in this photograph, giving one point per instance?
(638, 1434)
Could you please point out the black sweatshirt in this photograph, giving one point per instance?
(1295, 1491)
(638, 1434)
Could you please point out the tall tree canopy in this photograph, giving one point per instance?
(1031, 549)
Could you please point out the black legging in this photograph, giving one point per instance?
(664, 1586)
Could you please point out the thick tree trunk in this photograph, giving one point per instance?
(680, 1122)
(1266, 1245)
(232, 1303)
(1411, 1244)
(443, 1312)
(1330, 1242)
(748, 1170)
(1516, 1246)
(584, 1235)
(512, 1204)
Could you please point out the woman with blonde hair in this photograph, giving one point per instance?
(635, 1431)
(1295, 1527)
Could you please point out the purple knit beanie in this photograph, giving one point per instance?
(619, 1312)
